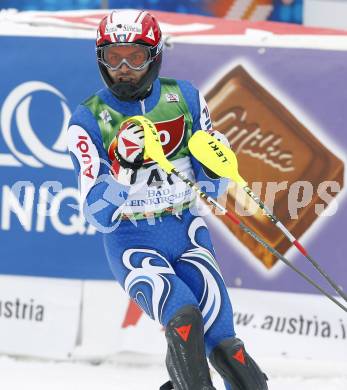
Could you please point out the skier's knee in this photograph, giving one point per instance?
(236, 367)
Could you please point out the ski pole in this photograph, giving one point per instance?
(222, 161)
(154, 150)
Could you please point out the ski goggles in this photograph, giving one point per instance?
(135, 56)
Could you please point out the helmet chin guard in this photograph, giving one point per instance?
(128, 27)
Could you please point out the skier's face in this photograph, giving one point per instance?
(125, 55)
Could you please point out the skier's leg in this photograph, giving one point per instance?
(197, 267)
(186, 360)
(236, 367)
(148, 277)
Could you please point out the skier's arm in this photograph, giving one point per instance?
(102, 195)
(209, 182)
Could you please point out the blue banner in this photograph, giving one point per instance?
(41, 229)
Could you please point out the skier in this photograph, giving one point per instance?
(157, 245)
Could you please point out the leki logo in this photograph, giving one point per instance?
(218, 151)
(16, 110)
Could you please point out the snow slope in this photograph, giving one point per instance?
(41, 375)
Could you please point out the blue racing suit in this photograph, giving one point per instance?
(157, 245)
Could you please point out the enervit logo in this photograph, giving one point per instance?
(17, 107)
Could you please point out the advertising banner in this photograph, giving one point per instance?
(39, 317)
(280, 101)
(112, 323)
(295, 326)
(282, 113)
(39, 197)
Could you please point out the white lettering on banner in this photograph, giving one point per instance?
(17, 106)
(23, 212)
(39, 317)
(25, 202)
(77, 222)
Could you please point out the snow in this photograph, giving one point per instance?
(39, 375)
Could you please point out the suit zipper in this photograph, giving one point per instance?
(143, 108)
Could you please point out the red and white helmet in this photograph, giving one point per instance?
(130, 27)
